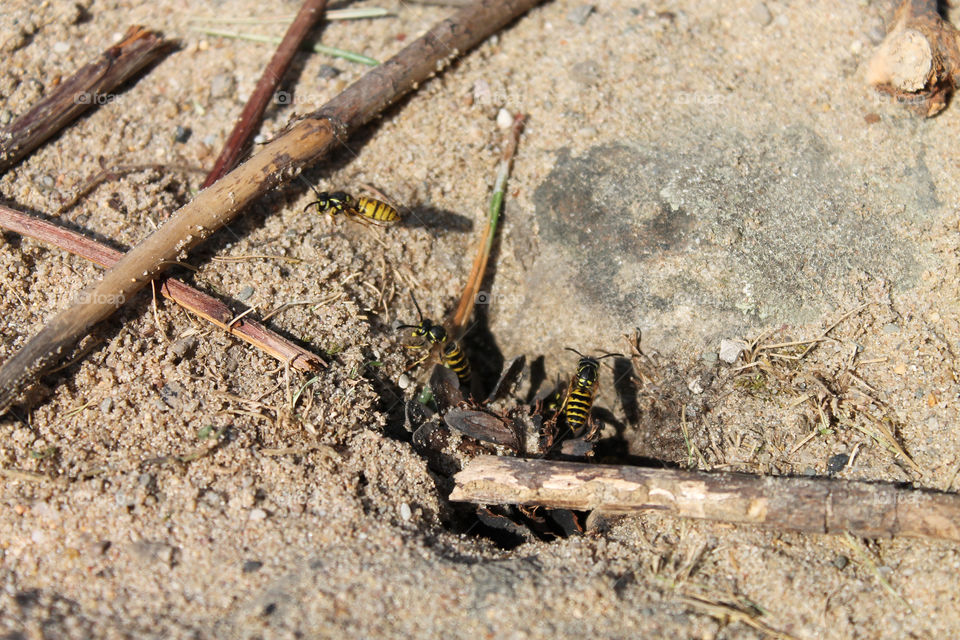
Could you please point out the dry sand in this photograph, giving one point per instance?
(698, 170)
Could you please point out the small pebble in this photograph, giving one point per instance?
(404, 381)
(258, 514)
(876, 33)
(405, 512)
(482, 93)
(579, 15)
(106, 405)
(709, 358)
(251, 565)
(210, 140)
(841, 562)
(891, 327)
(47, 182)
(327, 72)
(6, 116)
(585, 72)
(809, 471)
(222, 85)
(245, 293)
(835, 464)
(259, 138)
(760, 14)
(61, 47)
(695, 386)
(730, 350)
(504, 119)
(183, 346)
(181, 134)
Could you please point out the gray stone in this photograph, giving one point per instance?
(223, 85)
(760, 14)
(730, 350)
(579, 15)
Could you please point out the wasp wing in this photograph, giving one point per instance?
(482, 426)
(509, 380)
(446, 388)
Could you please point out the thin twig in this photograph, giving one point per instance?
(469, 296)
(186, 296)
(250, 118)
(87, 87)
(304, 143)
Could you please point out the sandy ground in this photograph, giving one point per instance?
(701, 171)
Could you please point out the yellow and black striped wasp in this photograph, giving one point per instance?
(362, 209)
(451, 354)
(582, 390)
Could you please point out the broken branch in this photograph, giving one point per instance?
(813, 505)
(78, 93)
(183, 294)
(919, 60)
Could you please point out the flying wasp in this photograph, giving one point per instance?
(362, 209)
(582, 390)
(451, 354)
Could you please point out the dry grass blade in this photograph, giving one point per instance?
(864, 556)
(727, 612)
(78, 93)
(186, 296)
(303, 143)
(469, 296)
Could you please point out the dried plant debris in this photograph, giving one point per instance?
(823, 384)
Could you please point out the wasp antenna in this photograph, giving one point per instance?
(309, 184)
(419, 313)
(575, 351)
(406, 326)
(610, 355)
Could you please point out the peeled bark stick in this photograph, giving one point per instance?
(87, 87)
(919, 60)
(252, 114)
(183, 294)
(304, 142)
(812, 505)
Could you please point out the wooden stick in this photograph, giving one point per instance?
(183, 294)
(309, 14)
(814, 505)
(919, 60)
(87, 87)
(303, 143)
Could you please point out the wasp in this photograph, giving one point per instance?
(362, 209)
(582, 390)
(451, 354)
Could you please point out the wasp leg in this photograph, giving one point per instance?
(421, 360)
(592, 430)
